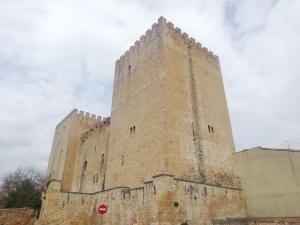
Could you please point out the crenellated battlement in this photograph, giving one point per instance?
(156, 29)
(189, 40)
(143, 41)
(82, 115)
(98, 126)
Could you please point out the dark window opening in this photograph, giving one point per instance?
(193, 129)
(210, 129)
(102, 158)
(129, 68)
(85, 165)
(97, 177)
(205, 191)
(176, 204)
(122, 163)
(132, 130)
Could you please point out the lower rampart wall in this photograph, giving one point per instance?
(17, 216)
(164, 200)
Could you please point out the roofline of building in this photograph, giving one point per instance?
(268, 149)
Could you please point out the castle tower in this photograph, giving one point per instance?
(164, 156)
(169, 112)
(65, 147)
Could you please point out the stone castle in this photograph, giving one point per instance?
(165, 156)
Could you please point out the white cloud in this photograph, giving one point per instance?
(58, 55)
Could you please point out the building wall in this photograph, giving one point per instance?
(66, 142)
(167, 91)
(59, 150)
(17, 216)
(138, 130)
(199, 137)
(164, 200)
(92, 158)
(270, 181)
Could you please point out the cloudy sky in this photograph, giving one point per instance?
(56, 55)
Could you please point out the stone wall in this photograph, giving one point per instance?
(65, 146)
(19, 216)
(164, 200)
(138, 128)
(199, 137)
(169, 112)
(92, 158)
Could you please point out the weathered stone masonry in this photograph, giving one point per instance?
(164, 157)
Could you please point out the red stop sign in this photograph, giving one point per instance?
(102, 209)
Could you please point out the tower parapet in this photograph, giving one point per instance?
(82, 115)
(189, 40)
(156, 30)
(66, 144)
(123, 64)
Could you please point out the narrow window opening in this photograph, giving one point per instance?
(208, 128)
(93, 178)
(122, 163)
(205, 191)
(129, 68)
(133, 129)
(97, 177)
(85, 165)
(102, 158)
(193, 129)
(130, 130)
(212, 129)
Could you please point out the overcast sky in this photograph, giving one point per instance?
(56, 55)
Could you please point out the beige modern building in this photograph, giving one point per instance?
(270, 181)
(164, 157)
